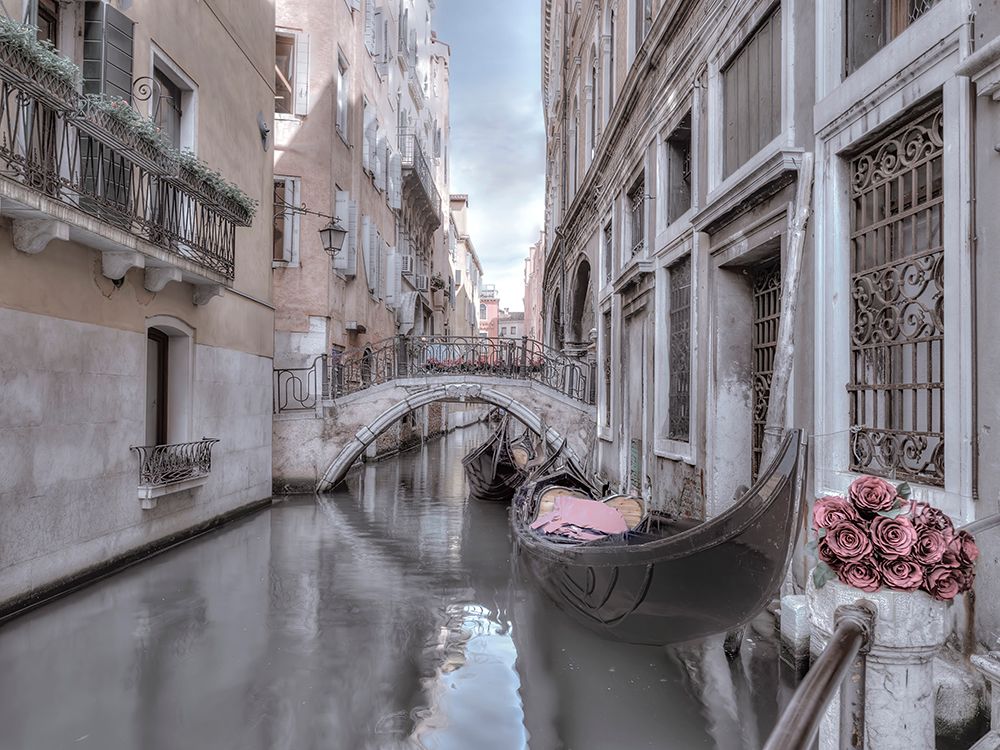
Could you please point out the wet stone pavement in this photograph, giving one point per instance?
(388, 615)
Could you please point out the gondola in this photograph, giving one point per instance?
(498, 467)
(667, 580)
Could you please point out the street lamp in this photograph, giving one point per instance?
(332, 236)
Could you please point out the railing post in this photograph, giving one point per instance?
(852, 689)
(524, 356)
(402, 356)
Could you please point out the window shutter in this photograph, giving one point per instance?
(355, 4)
(301, 73)
(380, 162)
(392, 274)
(383, 268)
(377, 262)
(367, 155)
(341, 210)
(370, 26)
(352, 237)
(366, 249)
(395, 181)
(107, 50)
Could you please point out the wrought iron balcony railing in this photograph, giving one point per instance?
(53, 143)
(417, 167)
(165, 465)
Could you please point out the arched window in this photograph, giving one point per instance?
(592, 106)
(610, 30)
(482, 311)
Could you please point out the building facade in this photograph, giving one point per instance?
(511, 325)
(534, 266)
(135, 295)
(676, 135)
(361, 141)
(489, 312)
(467, 271)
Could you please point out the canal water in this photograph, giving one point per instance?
(387, 615)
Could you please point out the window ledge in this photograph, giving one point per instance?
(149, 494)
(286, 117)
(763, 176)
(632, 273)
(674, 450)
(604, 433)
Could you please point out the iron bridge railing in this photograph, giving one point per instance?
(303, 389)
(160, 465)
(59, 144)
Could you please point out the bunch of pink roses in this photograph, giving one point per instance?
(876, 537)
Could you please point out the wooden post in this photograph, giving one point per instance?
(785, 351)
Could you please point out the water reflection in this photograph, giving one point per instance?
(383, 616)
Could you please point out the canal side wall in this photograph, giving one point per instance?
(74, 403)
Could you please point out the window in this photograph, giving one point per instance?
(157, 351)
(291, 73)
(482, 312)
(284, 74)
(503, 330)
(871, 24)
(679, 389)
(343, 97)
(609, 251)
(592, 108)
(896, 390)
(637, 214)
(169, 381)
(458, 277)
(752, 94)
(47, 21)
(286, 219)
(606, 348)
(678, 162)
(765, 280)
(612, 40)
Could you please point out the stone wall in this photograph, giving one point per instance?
(73, 403)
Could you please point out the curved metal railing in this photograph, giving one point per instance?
(420, 356)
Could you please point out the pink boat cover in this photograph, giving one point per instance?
(579, 518)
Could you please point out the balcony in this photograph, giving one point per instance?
(70, 171)
(418, 180)
(166, 469)
(416, 88)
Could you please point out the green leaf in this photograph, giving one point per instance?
(812, 546)
(821, 574)
(891, 513)
(821, 533)
(903, 490)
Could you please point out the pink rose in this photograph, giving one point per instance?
(930, 547)
(901, 574)
(944, 583)
(893, 537)
(966, 548)
(826, 555)
(860, 575)
(872, 493)
(829, 511)
(925, 515)
(848, 541)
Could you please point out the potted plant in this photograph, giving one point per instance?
(36, 65)
(129, 131)
(437, 282)
(197, 176)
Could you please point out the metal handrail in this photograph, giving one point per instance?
(843, 658)
(982, 524)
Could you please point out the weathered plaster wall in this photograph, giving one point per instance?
(73, 402)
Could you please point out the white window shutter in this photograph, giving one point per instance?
(355, 4)
(370, 26)
(380, 162)
(383, 268)
(377, 264)
(301, 73)
(396, 181)
(352, 239)
(366, 249)
(342, 211)
(392, 276)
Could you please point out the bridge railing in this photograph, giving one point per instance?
(420, 356)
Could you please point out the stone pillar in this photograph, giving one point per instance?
(989, 666)
(909, 630)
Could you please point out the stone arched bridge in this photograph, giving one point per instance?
(327, 415)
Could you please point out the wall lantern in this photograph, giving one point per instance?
(332, 236)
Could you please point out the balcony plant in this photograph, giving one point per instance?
(877, 538)
(437, 282)
(37, 65)
(134, 133)
(211, 185)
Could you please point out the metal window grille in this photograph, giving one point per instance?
(766, 316)
(871, 24)
(679, 397)
(637, 209)
(609, 249)
(897, 287)
(607, 370)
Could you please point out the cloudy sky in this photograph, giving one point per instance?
(497, 133)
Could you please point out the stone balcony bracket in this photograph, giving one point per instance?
(116, 263)
(205, 293)
(157, 278)
(31, 236)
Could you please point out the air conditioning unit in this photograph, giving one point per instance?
(407, 266)
(423, 284)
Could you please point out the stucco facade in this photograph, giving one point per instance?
(98, 292)
(534, 267)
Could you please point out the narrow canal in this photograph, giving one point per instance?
(386, 616)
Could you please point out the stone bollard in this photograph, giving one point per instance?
(909, 630)
(989, 666)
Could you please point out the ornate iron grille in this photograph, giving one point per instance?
(897, 318)
(609, 251)
(679, 398)
(53, 143)
(766, 316)
(918, 8)
(637, 209)
(607, 370)
(161, 465)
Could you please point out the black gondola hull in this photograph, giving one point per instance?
(701, 580)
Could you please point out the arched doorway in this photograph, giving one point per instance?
(583, 313)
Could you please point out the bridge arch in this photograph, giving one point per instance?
(444, 392)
